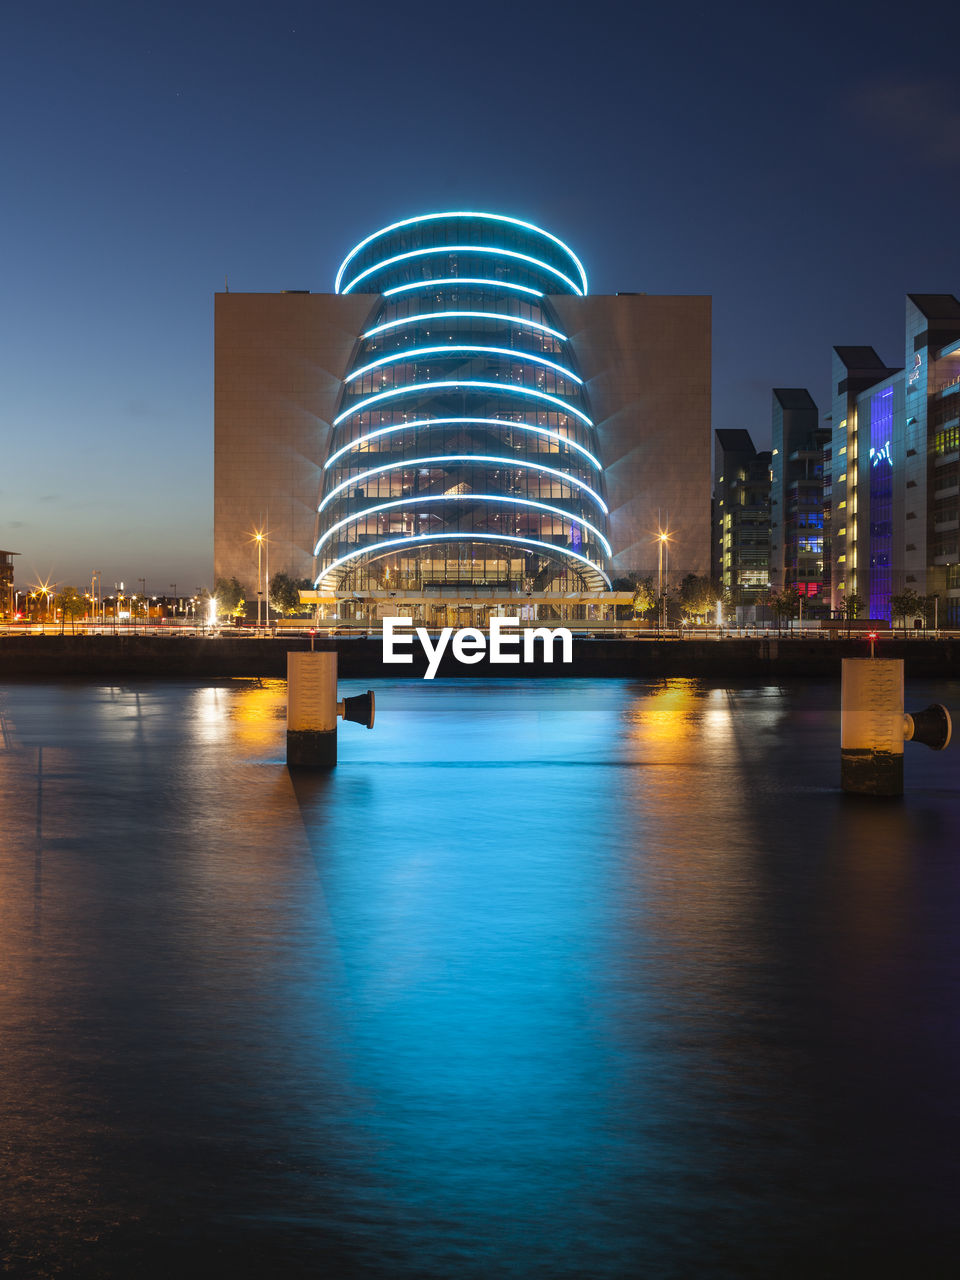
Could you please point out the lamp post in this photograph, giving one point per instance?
(258, 538)
(661, 609)
(44, 592)
(267, 572)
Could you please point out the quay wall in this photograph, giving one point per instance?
(105, 657)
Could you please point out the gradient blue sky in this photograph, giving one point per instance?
(798, 163)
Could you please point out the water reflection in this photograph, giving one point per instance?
(552, 979)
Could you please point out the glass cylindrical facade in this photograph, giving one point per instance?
(462, 452)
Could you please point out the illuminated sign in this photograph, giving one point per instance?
(881, 455)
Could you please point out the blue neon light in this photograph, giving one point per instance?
(432, 217)
(881, 455)
(436, 386)
(411, 353)
(412, 539)
(499, 498)
(432, 284)
(464, 457)
(519, 321)
(461, 248)
(433, 422)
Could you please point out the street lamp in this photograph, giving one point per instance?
(258, 538)
(267, 572)
(44, 590)
(661, 546)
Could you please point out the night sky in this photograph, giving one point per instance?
(799, 163)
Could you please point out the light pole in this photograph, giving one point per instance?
(661, 604)
(44, 593)
(258, 538)
(267, 571)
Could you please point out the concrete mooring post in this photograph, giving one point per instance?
(312, 710)
(873, 726)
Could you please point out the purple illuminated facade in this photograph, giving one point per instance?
(881, 501)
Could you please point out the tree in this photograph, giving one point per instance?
(285, 592)
(71, 605)
(785, 603)
(698, 595)
(644, 597)
(230, 596)
(852, 606)
(907, 604)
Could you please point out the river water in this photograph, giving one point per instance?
(551, 979)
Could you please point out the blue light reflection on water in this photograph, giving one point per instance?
(550, 979)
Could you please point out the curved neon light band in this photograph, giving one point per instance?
(469, 315)
(464, 497)
(462, 537)
(432, 217)
(430, 284)
(461, 248)
(434, 422)
(464, 457)
(413, 352)
(435, 386)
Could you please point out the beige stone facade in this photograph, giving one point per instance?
(279, 359)
(646, 361)
(279, 363)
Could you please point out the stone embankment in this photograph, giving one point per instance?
(198, 657)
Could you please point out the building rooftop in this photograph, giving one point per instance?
(937, 306)
(794, 398)
(735, 440)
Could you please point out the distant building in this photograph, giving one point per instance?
(6, 583)
(798, 557)
(896, 449)
(855, 371)
(741, 518)
(461, 423)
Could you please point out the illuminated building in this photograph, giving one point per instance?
(896, 450)
(463, 452)
(461, 420)
(800, 449)
(741, 514)
(6, 583)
